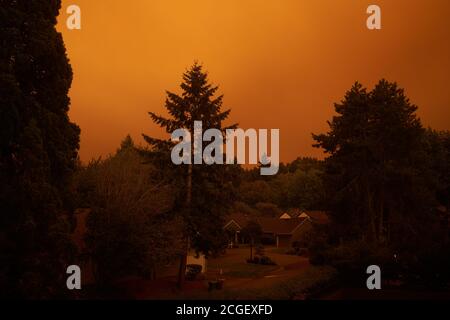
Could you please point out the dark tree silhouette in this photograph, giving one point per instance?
(377, 177)
(128, 231)
(38, 149)
(204, 191)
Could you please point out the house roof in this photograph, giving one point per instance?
(317, 216)
(292, 213)
(268, 224)
(279, 226)
(284, 215)
(238, 219)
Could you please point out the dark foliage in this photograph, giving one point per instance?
(38, 150)
(385, 177)
(130, 231)
(204, 192)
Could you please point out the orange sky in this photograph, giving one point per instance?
(280, 63)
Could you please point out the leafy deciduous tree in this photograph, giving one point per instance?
(130, 229)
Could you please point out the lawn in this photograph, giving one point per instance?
(295, 286)
(248, 270)
(289, 279)
(234, 264)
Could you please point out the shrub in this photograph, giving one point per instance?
(297, 251)
(302, 251)
(352, 258)
(296, 244)
(269, 241)
(292, 252)
(265, 260)
(255, 260)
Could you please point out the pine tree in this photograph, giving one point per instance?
(204, 190)
(375, 169)
(38, 149)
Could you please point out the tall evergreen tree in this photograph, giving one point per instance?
(386, 177)
(376, 173)
(38, 149)
(204, 190)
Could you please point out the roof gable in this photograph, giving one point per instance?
(318, 216)
(233, 226)
(279, 226)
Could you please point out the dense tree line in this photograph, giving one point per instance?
(298, 185)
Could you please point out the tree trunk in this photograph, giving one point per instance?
(381, 228)
(371, 212)
(183, 259)
(189, 188)
(182, 271)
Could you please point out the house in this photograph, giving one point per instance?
(315, 216)
(282, 232)
(278, 232)
(234, 225)
(291, 213)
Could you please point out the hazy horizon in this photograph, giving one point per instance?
(281, 64)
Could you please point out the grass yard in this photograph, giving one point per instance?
(248, 270)
(234, 264)
(236, 258)
(289, 279)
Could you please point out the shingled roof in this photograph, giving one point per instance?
(280, 226)
(268, 224)
(319, 217)
(239, 218)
